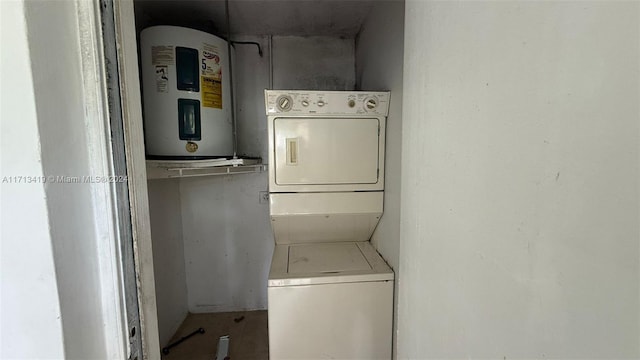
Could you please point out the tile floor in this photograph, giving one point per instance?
(249, 337)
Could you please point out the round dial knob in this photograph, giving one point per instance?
(305, 103)
(371, 103)
(284, 102)
(321, 103)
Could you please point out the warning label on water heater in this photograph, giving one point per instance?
(211, 79)
(211, 92)
(162, 55)
(162, 78)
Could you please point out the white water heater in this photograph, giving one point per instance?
(187, 93)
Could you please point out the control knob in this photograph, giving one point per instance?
(370, 103)
(284, 102)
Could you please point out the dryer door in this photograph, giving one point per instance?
(326, 151)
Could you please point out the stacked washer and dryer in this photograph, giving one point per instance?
(330, 294)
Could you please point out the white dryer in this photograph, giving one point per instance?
(330, 294)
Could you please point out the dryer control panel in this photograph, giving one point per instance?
(326, 102)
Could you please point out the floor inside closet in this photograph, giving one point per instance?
(247, 330)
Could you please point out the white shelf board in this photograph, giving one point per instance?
(165, 169)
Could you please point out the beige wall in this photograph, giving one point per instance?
(520, 202)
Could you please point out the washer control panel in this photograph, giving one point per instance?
(326, 102)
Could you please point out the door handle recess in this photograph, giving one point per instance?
(292, 151)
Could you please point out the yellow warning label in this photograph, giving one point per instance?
(211, 92)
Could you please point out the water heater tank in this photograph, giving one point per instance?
(187, 94)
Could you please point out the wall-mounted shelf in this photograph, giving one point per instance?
(164, 169)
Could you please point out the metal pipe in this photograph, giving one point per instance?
(271, 62)
(233, 108)
(166, 349)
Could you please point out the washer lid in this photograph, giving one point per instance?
(327, 263)
(326, 258)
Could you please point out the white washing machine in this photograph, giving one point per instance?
(330, 293)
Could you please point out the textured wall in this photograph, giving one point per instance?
(168, 255)
(227, 242)
(313, 63)
(520, 202)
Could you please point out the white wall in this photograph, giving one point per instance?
(61, 290)
(313, 63)
(64, 143)
(31, 326)
(227, 242)
(168, 255)
(520, 199)
(379, 58)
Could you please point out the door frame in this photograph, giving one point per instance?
(130, 97)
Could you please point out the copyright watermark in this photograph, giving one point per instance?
(61, 179)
